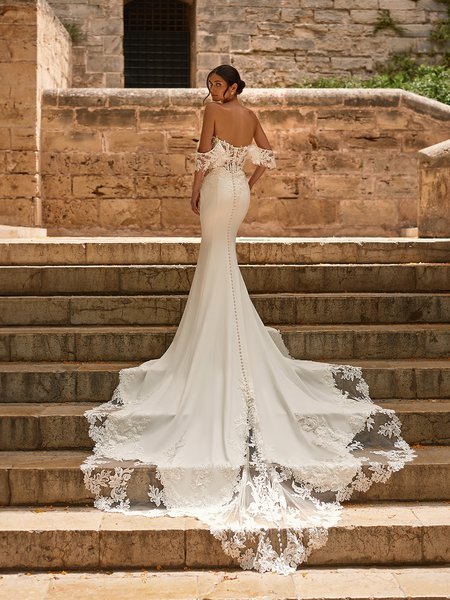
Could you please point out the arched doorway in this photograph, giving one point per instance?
(156, 43)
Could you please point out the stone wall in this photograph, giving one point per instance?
(34, 52)
(277, 44)
(120, 162)
(54, 54)
(98, 55)
(434, 198)
(273, 44)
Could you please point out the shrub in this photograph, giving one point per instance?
(402, 71)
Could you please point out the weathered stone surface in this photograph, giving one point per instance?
(166, 250)
(18, 210)
(281, 309)
(40, 542)
(138, 279)
(312, 342)
(156, 162)
(146, 542)
(434, 183)
(418, 583)
(26, 30)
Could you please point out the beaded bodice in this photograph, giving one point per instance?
(232, 158)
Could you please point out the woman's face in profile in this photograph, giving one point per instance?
(217, 86)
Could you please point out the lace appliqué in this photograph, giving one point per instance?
(232, 158)
(262, 156)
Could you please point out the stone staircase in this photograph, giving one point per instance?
(73, 311)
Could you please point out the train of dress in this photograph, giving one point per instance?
(229, 428)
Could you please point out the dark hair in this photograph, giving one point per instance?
(230, 75)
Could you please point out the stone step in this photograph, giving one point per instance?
(177, 279)
(55, 426)
(283, 308)
(83, 381)
(179, 250)
(320, 583)
(86, 538)
(141, 343)
(54, 477)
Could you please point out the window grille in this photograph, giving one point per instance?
(157, 43)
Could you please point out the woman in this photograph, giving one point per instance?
(226, 426)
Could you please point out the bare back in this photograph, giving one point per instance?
(236, 125)
(231, 122)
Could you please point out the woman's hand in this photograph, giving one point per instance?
(195, 202)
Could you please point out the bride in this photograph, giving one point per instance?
(226, 426)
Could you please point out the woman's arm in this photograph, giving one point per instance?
(205, 145)
(261, 141)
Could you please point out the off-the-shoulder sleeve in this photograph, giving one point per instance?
(262, 156)
(203, 160)
(207, 160)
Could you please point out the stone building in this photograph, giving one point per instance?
(173, 43)
(102, 160)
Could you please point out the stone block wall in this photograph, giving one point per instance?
(120, 162)
(98, 55)
(54, 54)
(34, 53)
(274, 44)
(434, 198)
(277, 44)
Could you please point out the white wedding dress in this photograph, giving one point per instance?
(226, 426)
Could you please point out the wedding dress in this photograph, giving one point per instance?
(226, 426)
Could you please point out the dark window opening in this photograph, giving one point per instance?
(156, 43)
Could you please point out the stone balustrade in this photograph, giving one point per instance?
(434, 190)
(121, 161)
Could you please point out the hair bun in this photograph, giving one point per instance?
(241, 86)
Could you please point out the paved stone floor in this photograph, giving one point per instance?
(422, 583)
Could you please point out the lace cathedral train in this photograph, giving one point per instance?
(226, 426)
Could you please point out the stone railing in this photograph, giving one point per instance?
(120, 161)
(434, 185)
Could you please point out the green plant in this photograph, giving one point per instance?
(404, 70)
(441, 32)
(385, 21)
(75, 32)
(401, 71)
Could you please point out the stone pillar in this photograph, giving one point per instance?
(434, 190)
(34, 53)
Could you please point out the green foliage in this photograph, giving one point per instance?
(402, 71)
(441, 32)
(74, 30)
(385, 21)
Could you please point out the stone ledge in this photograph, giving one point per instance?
(435, 156)
(251, 250)
(282, 97)
(434, 190)
(396, 583)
